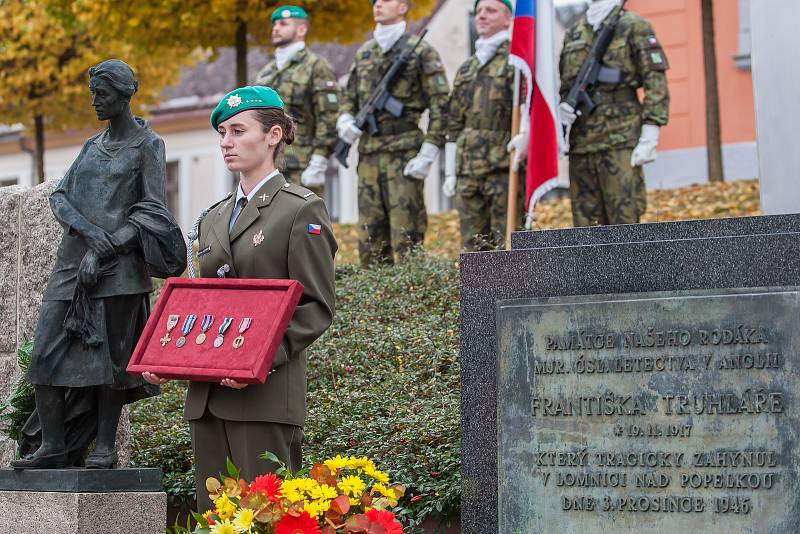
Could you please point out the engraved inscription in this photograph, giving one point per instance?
(611, 409)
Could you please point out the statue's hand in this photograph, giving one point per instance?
(101, 244)
(87, 272)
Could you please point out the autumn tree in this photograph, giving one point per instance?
(212, 24)
(44, 58)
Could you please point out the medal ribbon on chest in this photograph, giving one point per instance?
(204, 326)
(172, 320)
(223, 327)
(188, 324)
(243, 326)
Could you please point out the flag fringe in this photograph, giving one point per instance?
(520, 64)
(537, 195)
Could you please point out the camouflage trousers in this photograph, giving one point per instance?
(293, 177)
(605, 189)
(391, 208)
(482, 203)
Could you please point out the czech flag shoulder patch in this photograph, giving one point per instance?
(315, 229)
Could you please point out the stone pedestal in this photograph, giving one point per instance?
(81, 501)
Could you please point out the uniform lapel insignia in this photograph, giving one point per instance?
(258, 238)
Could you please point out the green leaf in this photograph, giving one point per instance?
(233, 472)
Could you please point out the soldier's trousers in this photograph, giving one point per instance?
(293, 177)
(391, 208)
(482, 203)
(605, 189)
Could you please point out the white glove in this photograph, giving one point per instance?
(519, 143)
(449, 185)
(645, 151)
(420, 165)
(347, 129)
(567, 114)
(314, 174)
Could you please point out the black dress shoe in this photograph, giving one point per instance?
(58, 460)
(101, 461)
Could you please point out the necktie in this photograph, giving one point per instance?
(237, 210)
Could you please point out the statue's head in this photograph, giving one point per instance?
(112, 84)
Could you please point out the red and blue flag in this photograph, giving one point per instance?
(533, 53)
(315, 229)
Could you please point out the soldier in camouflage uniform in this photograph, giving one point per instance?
(306, 83)
(479, 122)
(394, 162)
(609, 146)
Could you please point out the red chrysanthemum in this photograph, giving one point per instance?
(386, 520)
(268, 485)
(301, 524)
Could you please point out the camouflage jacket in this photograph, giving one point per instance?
(617, 120)
(309, 90)
(479, 113)
(421, 84)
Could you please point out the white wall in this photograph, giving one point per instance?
(776, 73)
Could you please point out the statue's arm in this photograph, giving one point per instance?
(154, 180)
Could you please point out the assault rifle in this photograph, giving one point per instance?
(379, 100)
(592, 71)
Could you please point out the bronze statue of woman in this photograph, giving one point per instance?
(117, 234)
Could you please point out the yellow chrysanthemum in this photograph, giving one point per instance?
(317, 508)
(380, 476)
(336, 463)
(352, 485)
(322, 492)
(383, 490)
(223, 527)
(243, 522)
(354, 462)
(225, 508)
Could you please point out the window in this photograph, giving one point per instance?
(173, 193)
(742, 59)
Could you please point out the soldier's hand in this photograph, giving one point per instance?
(645, 151)
(314, 175)
(519, 144)
(567, 114)
(449, 186)
(347, 129)
(420, 165)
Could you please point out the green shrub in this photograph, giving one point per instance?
(383, 382)
(19, 406)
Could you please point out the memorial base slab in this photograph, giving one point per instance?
(80, 501)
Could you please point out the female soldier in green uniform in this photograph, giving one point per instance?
(267, 229)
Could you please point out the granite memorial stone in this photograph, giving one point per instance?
(666, 412)
(706, 276)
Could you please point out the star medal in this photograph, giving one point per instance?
(204, 326)
(244, 325)
(172, 320)
(188, 323)
(223, 327)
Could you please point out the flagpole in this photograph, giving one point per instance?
(513, 175)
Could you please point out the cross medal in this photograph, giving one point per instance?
(172, 320)
(204, 326)
(244, 325)
(188, 323)
(223, 327)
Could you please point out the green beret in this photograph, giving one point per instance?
(242, 99)
(288, 12)
(508, 4)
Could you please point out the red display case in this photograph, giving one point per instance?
(269, 303)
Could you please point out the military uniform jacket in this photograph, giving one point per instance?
(617, 121)
(310, 93)
(421, 84)
(479, 113)
(281, 214)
